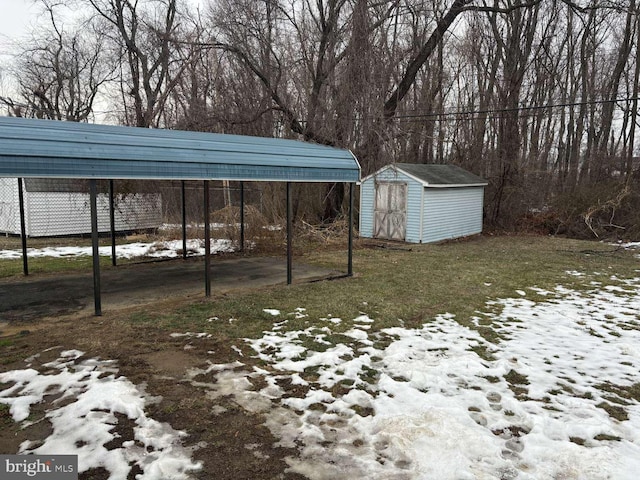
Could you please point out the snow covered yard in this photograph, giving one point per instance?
(97, 415)
(534, 384)
(557, 397)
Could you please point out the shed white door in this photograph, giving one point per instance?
(389, 211)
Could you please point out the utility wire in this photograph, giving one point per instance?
(460, 113)
(440, 116)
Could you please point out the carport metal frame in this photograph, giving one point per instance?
(51, 149)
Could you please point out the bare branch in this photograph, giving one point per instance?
(504, 10)
(409, 76)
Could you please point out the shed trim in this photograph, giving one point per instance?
(398, 168)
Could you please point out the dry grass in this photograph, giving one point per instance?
(411, 286)
(260, 235)
(332, 235)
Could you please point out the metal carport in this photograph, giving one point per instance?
(31, 148)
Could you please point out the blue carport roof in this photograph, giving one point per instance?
(49, 148)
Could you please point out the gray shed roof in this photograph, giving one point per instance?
(53, 149)
(438, 175)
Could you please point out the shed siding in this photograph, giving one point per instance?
(414, 198)
(9, 206)
(66, 213)
(452, 212)
(367, 199)
(58, 213)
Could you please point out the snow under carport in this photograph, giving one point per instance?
(32, 148)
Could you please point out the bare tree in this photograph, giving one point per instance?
(60, 72)
(538, 96)
(515, 39)
(143, 36)
(611, 92)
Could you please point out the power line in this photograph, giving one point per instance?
(432, 116)
(513, 109)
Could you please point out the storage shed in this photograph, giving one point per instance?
(421, 203)
(56, 206)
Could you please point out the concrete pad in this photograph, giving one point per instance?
(38, 296)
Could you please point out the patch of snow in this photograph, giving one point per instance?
(190, 335)
(299, 313)
(574, 273)
(629, 245)
(540, 291)
(178, 226)
(334, 320)
(91, 395)
(163, 249)
(422, 403)
(237, 350)
(363, 318)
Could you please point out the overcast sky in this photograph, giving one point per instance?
(15, 16)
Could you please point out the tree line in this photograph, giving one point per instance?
(540, 97)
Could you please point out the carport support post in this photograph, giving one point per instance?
(289, 234)
(184, 220)
(112, 223)
(94, 243)
(207, 242)
(350, 261)
(23, 229)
